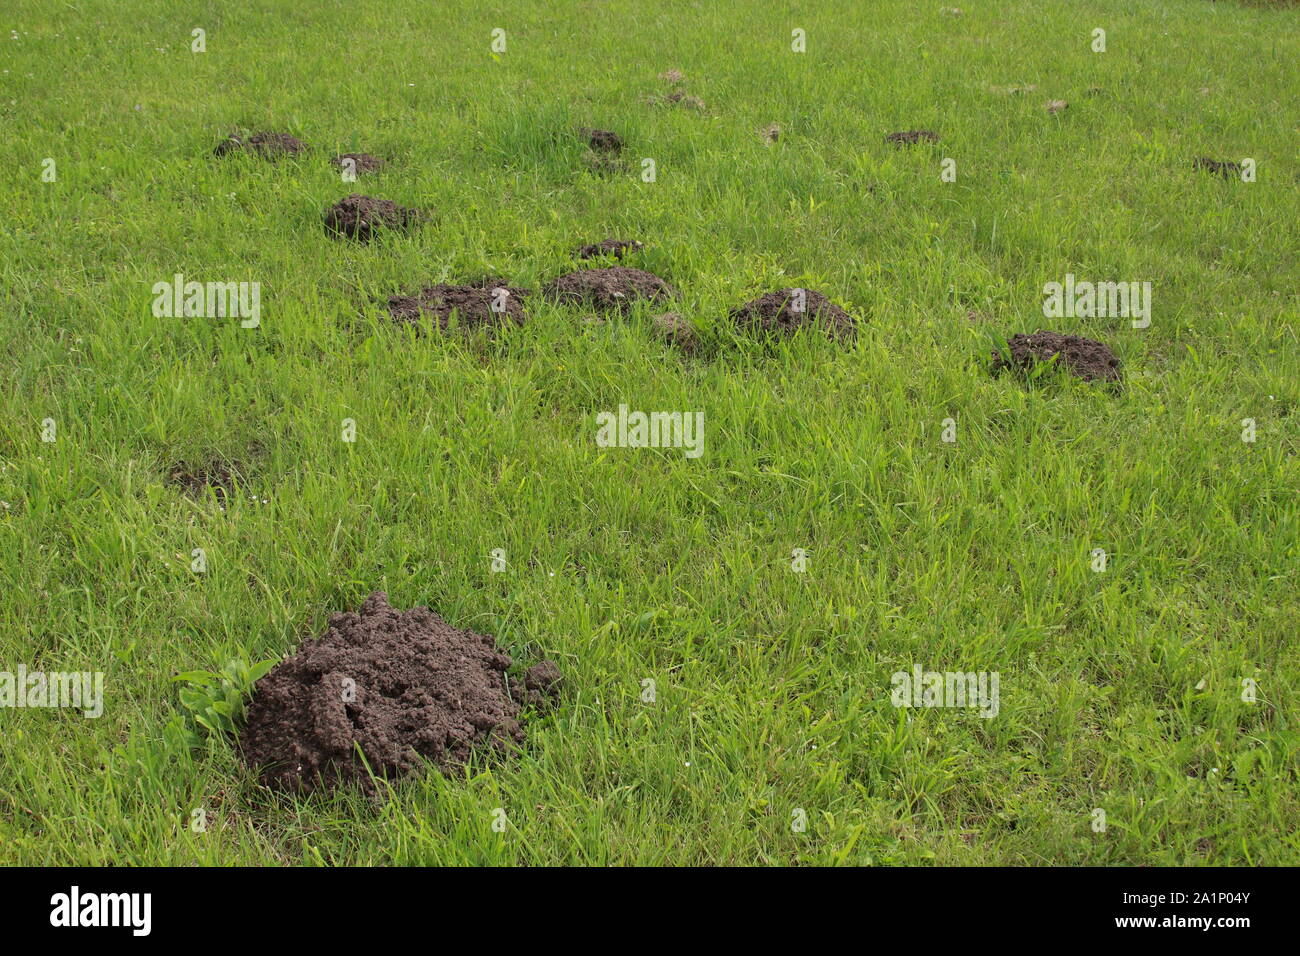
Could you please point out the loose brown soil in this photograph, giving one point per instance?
(677, 332)
(775, 314)
(1086, 358)
(912, 137)
(618, 248)
(471, 304)
(682, 98)
(608, 290)
(1224, 168)
(605, 163)
(193, 479)
(398, 685)
(363, 217)
(601, 140)
(361, 162)
(264, 145)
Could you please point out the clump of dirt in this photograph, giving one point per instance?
(605, 164)
(359, 162)
(398, 685)
(618, 248)
(363, 217)
(677, 97)
(785, 311)
(604, 154)
(193, 479)
(912, 137)
(1224, 168)
(608, 290)
(264, 145)
(1055, 106)
(1085, 358)
(489, 302)
(677, 332)
(682, 98)
(601, 140)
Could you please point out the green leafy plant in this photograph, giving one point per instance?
(213, 701)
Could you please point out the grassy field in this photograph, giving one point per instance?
(1120, 691)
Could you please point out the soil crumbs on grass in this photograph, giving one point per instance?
(677, 332)
(912, 137)
(1085, 358)
(363, 217)
(471, 304)
(265, 145)
(601, 140)
(785, 311)
(609, 290)
(358, 162)
(617, 248)
(192, 479)
(401, 686)
(1219, 167)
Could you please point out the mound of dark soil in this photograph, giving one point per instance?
(1086, 358)
(361, 162)
(601, 140)
(682, 98)
(618, 248)
(677, 332)
(363, 217)
(778, 313)
(265, 145)
(608, 290)
(912, 136)
(192, 479)
(400, 685)
(1219, 167)
(472, 304)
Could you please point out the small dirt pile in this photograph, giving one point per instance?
(1218, 167)
(358, 162)
(786, 311)
(399, 685)
(608, 290)
(912, 137)
(601, 140)
(489, 302)
(193, 479)
(617, 248)
(677, 332)
(363, 217)
(1085, 358)
(264, 145)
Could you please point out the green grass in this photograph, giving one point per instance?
(1119, 690)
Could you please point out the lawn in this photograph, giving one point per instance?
(726, 700)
